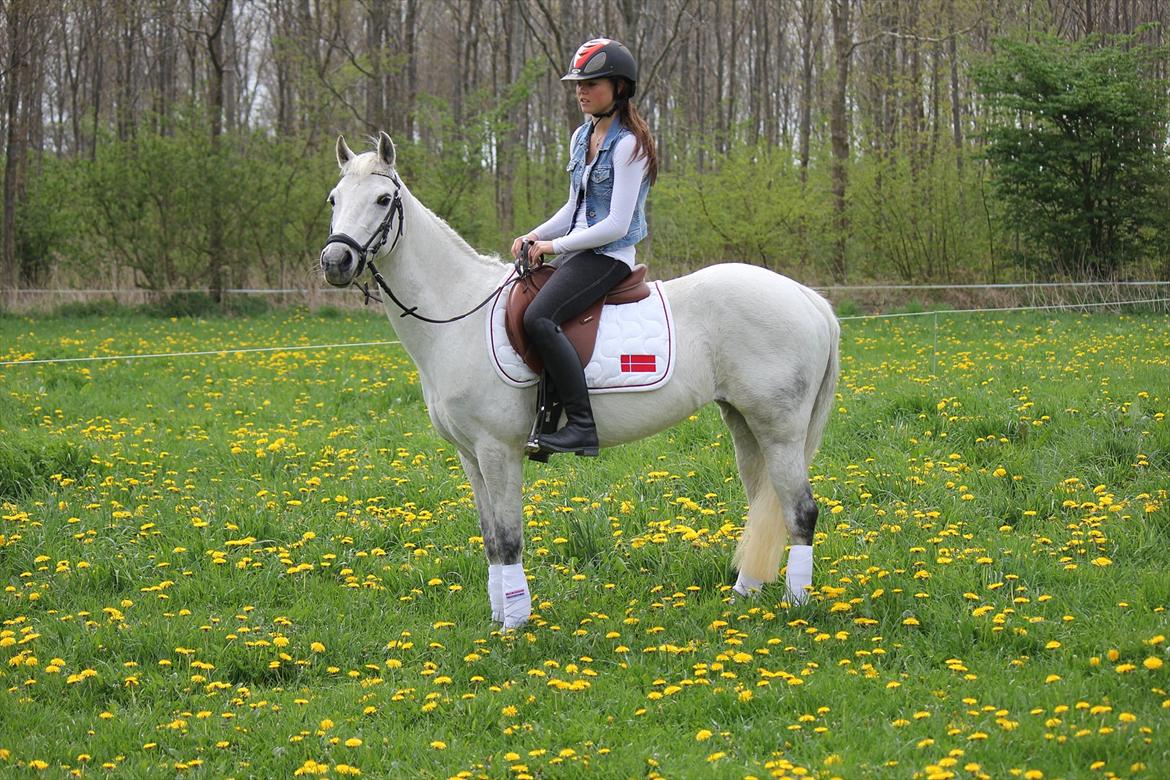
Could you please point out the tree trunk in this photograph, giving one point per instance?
(124, 71)
(506, 143)
(956, 105)
(18, 67)
(217, 265)
(807, 21)
(839, 134)
(411, 54)
(376, 83)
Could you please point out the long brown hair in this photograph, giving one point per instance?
(643, 140)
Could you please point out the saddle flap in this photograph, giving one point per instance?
(582, 329)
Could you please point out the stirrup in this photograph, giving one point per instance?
(544, 451)
(583, 450)
(548, 417)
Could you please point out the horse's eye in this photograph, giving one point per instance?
(332, 202)
(384, 200)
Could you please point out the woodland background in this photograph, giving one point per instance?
(172, 144)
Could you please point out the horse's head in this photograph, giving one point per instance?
(367, 210)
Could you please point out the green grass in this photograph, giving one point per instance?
(232, 565)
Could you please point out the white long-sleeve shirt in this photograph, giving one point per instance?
(627, 181)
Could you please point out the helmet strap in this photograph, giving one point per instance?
(617, 104)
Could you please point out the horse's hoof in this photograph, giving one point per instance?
(739, 596)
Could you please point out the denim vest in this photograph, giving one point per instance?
(599, 191)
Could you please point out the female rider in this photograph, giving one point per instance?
(612, 163)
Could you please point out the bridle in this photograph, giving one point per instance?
(373, 247)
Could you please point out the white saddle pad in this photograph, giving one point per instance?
(634, 352)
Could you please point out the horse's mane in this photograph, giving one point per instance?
(368, 163)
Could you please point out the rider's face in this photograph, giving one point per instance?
(595, 96)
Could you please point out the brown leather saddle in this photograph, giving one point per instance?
(582, 329)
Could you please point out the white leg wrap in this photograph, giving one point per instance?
(496, 591)
(517, 600)
(746, 587)
(800, 571)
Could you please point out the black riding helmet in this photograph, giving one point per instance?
(602, 58)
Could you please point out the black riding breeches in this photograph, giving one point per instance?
(579, 281)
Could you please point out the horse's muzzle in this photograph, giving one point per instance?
(338, 264)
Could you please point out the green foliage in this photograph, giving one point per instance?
(47, 219)
(148, 203)
(94, 307)
(1078, 145)
(449, 173)
(749, 207)
(918, 221)
(29, 462)
(847, 307)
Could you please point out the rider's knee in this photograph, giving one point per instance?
(539, 329)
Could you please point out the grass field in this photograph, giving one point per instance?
(266, 565)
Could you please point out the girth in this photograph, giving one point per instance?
(580, 330)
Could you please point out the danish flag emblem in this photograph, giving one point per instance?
(639, 364)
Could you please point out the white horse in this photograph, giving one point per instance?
(760, 345)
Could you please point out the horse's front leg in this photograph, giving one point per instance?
(496, 473)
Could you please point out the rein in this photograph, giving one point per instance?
(368, 251)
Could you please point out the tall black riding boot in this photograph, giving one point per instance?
(579, 434)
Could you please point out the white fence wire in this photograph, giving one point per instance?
(305, 347)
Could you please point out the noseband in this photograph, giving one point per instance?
(368, 251)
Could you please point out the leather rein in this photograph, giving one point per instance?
(372, 248)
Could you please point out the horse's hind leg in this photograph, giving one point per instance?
(758, 555)
(781, 506)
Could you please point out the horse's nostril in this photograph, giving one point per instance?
(335, 256)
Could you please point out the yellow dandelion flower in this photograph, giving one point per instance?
(438, 745)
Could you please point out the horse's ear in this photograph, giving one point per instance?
(344, 153)
(386, 151)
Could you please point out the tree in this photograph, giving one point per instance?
(1078, 150)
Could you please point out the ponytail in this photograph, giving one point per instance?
(643, 140)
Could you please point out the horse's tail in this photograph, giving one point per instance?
(826, 394)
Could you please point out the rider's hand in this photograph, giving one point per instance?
(538, 249)
(519, 240)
